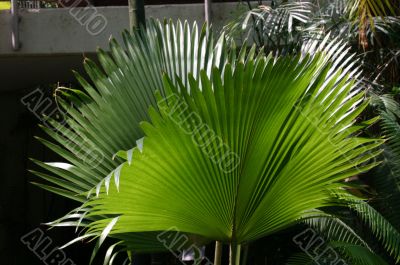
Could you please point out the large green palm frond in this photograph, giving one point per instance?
(105, 114)
(287, 122)
(243, 154)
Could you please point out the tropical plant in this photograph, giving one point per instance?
(382, 213)
(285, 26)
(227, 146)
(365, 12)
(88, 138)
(273, 28)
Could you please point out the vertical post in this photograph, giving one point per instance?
(136, 14)
(234, 253)
(207, 11)
(14, 26)
(217, 253)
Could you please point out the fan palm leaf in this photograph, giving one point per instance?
(104, 117)
(276, 139)
(242, 154)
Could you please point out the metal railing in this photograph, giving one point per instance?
(30, 4)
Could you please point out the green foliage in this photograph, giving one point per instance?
(234, 205)
(169, 173)
(179, 105)
(381, 228)
(358, 255)
(104, 117)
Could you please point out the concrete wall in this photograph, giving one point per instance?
(55, 41)
(61, 30)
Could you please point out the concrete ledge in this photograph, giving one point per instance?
(82, 30)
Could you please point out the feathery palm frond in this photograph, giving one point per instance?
(383, 230)
(334, 229)
(273, 28)
(358, 255)
(365, 11)
(386, 178)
